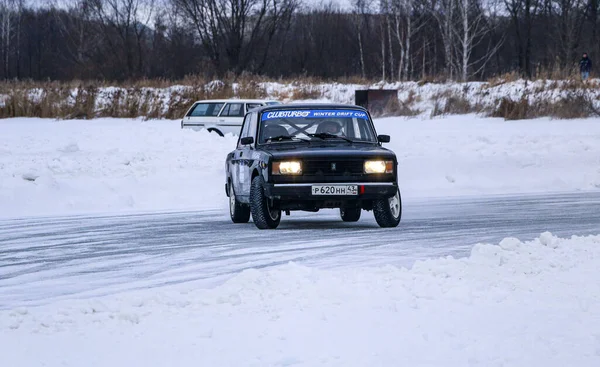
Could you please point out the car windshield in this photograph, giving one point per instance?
(310, 124)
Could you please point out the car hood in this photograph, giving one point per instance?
(294, 151)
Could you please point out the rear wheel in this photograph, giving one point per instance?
(239, 212)
(350, 214)
(263, 215)
(388, 211)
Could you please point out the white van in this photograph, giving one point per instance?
(221, 116)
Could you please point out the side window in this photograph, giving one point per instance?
(247, 128)
(205, 109)
(216, 109)
(252, 124)
(233, 110)
(225, 111)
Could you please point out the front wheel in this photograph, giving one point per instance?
(388, 211)
(263, 215)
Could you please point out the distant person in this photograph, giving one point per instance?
(585, 66)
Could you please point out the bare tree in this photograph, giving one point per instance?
(443, 12)
(7, 12)
(407, 24)
(522, 13)
(570, 15)
(233, 28)
(360, 9)
(75, 26)
(129, 20)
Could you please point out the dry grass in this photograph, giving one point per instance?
(512, 110)
(432, 79)
(503, 79)
(458, 105)
(395, 107)
(574, 105)
(162, 98)
(451, 102)
(306, 91)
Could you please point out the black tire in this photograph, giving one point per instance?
(350, 214)
(259, 206)
(388, 212)
(239, 212)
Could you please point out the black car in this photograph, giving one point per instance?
(308, 157)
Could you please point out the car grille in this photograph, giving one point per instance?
(333, 167)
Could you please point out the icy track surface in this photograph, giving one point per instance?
(446, 288)
(509, 304)
(44, 260)
(117, 165)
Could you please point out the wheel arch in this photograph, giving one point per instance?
(255, 173)
(215, 130)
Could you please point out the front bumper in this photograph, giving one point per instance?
(303, 191)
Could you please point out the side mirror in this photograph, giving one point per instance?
(247, 140)
(383, 138)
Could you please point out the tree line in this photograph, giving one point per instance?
(122, 40)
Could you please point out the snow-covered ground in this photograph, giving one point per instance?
(508, 304)
(118, 165)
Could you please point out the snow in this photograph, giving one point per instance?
(53, 167)
(514, 303)
(107, 165)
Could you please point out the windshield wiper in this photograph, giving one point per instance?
(332, 136)
(286, 137)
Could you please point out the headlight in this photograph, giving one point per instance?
(287, 168)
(379, 167)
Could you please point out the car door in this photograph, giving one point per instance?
(231, 117)
(240, 170)
(203, 113)
(247, 154)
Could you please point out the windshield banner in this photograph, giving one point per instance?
(290, 114)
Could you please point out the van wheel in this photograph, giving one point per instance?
(239, 212)
(388, 211)
(216, 131)
(264, 216)
(350, 214)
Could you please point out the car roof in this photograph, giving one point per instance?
(236, 100)
(315, 106)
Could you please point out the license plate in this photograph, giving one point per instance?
(335, 189)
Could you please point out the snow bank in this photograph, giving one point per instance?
(421, 97)
(467, 155)
(118, 165)
(514, 304)
(108, 165)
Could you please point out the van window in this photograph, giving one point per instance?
(233, 110)
(206, 109)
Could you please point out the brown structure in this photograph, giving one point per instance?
(376, 100)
